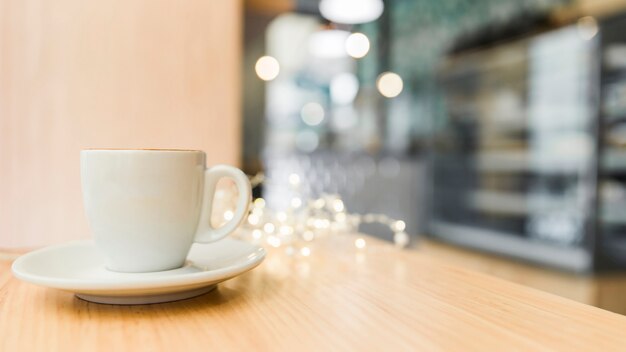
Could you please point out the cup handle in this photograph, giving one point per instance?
(207, 233)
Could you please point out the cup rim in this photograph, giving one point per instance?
(149, 150)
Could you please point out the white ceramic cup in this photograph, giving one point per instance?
(147, 207)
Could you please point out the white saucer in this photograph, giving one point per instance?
(78, 267)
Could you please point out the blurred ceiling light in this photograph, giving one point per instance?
(389, 84)
(267, 68)
(357, 45)
(587, 27)
(344, 88)
(312, 114)
(307, 141)
(328, 44)
(351, 11)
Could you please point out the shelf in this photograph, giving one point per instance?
(573, 258)
(614, 160)
(523, 161)
(611, 76)
(612, 211)
(515, 204)
(612, 218)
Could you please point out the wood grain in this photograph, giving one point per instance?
(338, 298)
(581, 288)
(96, 74)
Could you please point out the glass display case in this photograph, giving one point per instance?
(515, 166)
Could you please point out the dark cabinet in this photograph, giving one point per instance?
(530, 161)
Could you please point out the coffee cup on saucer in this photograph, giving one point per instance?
(147, 207)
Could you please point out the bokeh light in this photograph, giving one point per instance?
(269, 227)
(344, 88)
(267, 68)
(357, 45)
(312, 114)
(294, 179)
(389, 84)
(296, 202)
(305, 251)
(259, 202)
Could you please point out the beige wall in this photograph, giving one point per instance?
(87, 74)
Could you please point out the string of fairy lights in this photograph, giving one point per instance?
(304, 221)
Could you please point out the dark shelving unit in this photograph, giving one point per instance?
(531, 161)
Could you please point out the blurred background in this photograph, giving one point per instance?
(491, 125)
(497, 125)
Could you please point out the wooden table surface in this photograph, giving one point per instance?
(338, 298)
(606, 290)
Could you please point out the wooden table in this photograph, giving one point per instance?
(606, 290)
(338, 298)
